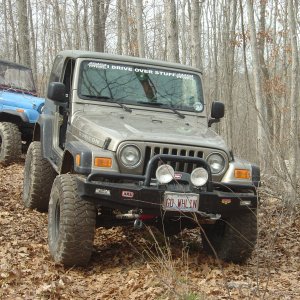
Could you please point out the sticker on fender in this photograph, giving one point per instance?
(186, 202)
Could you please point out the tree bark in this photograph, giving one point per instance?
(5, 15)
(24, 40)
(125, 28)
(261, 115)
(86, 25)
(196, 55)
(183, 33)
(171, 31)
(119, 27)
(100, 11)
(33, 43)
(140, 28)
(262, 33)
(294, 101)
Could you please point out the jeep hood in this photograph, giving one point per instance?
(160, 128)
(19, 100)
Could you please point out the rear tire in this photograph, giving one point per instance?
(71, 223)
(10, 143)
(38, 178)
(234, 239)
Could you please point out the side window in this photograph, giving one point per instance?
(56, 69)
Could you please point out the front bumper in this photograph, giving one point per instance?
(140, 194)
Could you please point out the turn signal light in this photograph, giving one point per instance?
(242, 173)
(103, 162)
(77, 159)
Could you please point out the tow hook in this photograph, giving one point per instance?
(138, 224)
(212, 217)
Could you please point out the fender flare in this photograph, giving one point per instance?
(76, 147)
(22, 115)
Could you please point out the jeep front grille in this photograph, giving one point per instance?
(152, 150)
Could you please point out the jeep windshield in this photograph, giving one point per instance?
(16, 77)
(136, 85)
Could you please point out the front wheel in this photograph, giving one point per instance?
(232, 239)
(10, 143)
(71, 223)
(38, 178)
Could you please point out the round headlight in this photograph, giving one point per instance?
(216, 162)
(199, 177)
(130, 156)
(164, 174)
(40, 108)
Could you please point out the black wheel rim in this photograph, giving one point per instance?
(27, 175)
(56, 221)
(0, 143)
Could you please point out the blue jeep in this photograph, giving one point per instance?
(19, 110)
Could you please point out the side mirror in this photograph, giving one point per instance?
(217, 112)
(57, 92)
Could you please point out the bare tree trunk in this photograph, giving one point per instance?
(215, 54)
(133, 37)
(140, 29)
(294, 101)
(125, 28)
(261, 116)
(229, 41)
(119, 27)
(24, 42)
(76, 25)
(196, 62)
(86, 25)
(264, 69)
(171, 31)
(160, 37)
(100, 11)
(33, 43)
(57, 27)
(283, 118)
(6, 48)
(98, 38)
(247, 79)
(183, 33)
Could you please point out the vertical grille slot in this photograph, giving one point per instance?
(182, 166)
(190, 165)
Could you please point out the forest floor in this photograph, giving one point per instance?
(126, 263)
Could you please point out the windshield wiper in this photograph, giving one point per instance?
(97, 97)
(126, 108)
(108, 99)
(182, 116)
(151, 103)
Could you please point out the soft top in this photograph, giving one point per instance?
(123, 58)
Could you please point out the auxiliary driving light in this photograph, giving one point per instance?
(199, 177)
(164, 174)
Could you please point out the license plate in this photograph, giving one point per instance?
(186, 202)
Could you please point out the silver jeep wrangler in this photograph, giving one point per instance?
(127, 141)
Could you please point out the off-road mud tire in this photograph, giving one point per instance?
(10, 143)
(71, 223)
(38, 178)
(233, 239)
